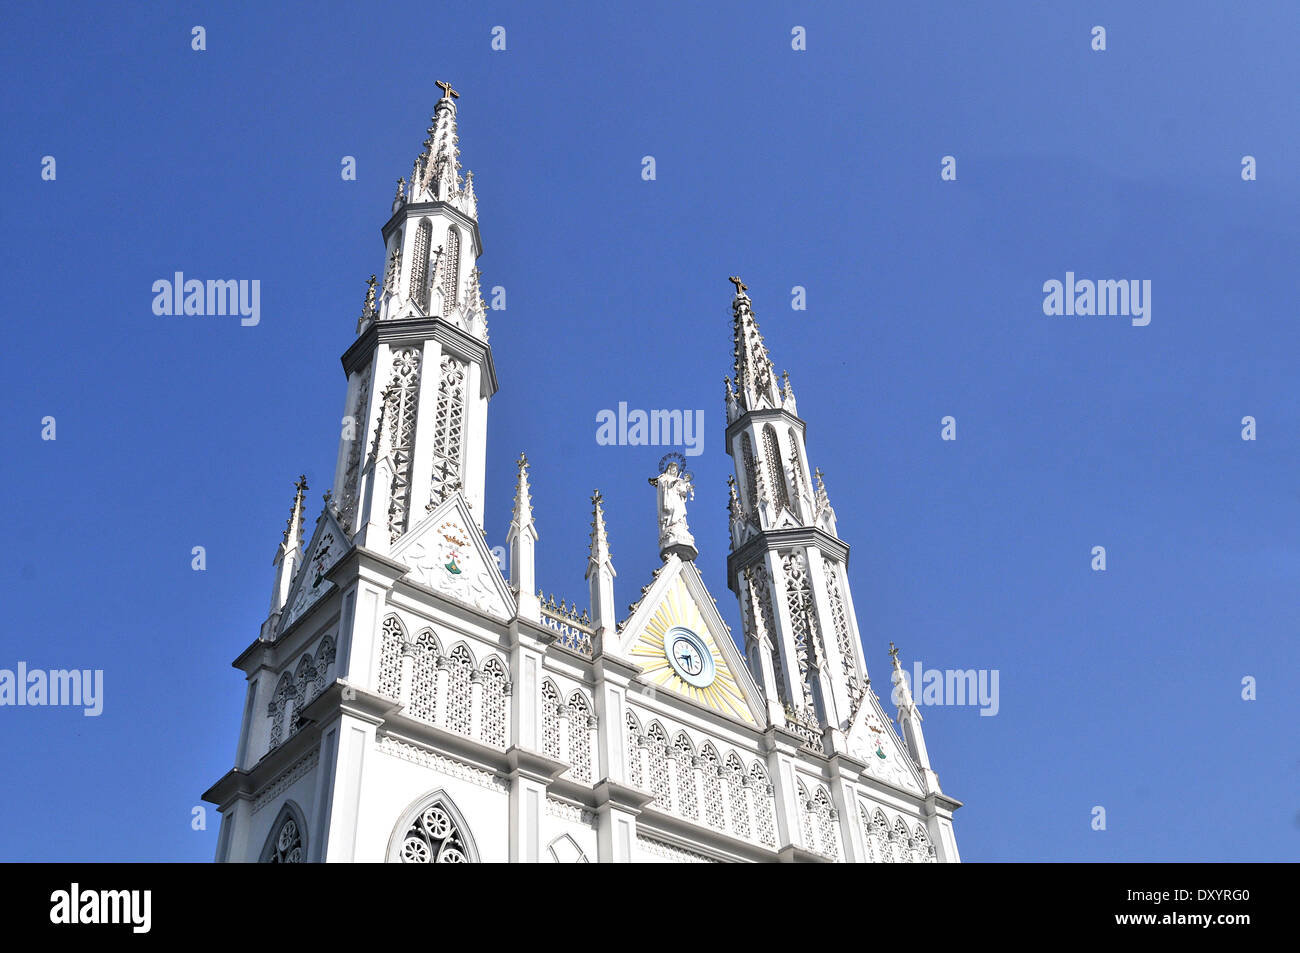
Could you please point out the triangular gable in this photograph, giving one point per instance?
(328, 544)
(447, 553)
(678, 598)
(872, 739)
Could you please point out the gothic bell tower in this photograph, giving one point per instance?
(420, 372)
(787, 563)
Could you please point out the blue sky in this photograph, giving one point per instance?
(817, 168)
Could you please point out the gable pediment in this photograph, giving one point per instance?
(872, 739)
(682, 645)
(447, 553)
(327, 546)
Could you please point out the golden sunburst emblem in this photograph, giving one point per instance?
(677, 651)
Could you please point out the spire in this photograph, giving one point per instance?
(439, 165)
(600, 579)
(287, 557)
(522, 518)
(368, 311)
(909, 719)
(293, 526)
(522, 540)
(729, 400)
(600, 554)
(825, 513)
(787, 394)
(755, 382)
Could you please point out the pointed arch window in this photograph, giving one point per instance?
(424, 678)
(760, 597)
(433, 832)
(633, 751)
(390, 658)
(711, 781)
(287, 842)
(305, 682)
(565, 850)
(775, 472)
(280, 710)
(400, 416)
(495, 682)
(764, 819)
(922, 849)
(687, 801)
(879, 838)
(659, 784)
(803, 620)
(843, 639)
(451, 272)
(550, 720)
(325, 653)
(808, 826)
(736, 794)
(580, 737)
(459, 694)
(449, 431)
(867, 839)
(796, 464)
(420, 264)
(751, 472)
(902, 842)
(827, 828)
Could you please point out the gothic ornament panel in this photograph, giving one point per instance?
(871, 742)
(447, 556)
(400, 414)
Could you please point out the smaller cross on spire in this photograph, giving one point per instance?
(893, 652)
(447, 91)
(741, 287)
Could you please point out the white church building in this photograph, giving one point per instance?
(406, 702)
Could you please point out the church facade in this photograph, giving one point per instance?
(407, 702)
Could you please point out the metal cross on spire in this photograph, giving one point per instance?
(447, 91)
(741, 287)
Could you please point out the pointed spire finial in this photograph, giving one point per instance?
(293, 525)
(893, 653)
(522, 518)
(368, 310)
(756, 386)
(600, 553)
(733, 501)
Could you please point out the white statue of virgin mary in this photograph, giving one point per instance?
(673, 489)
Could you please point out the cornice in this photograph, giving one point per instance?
(416, 330)
(762, 415)
(771, 540)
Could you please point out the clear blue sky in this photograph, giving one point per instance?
(816, 168)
